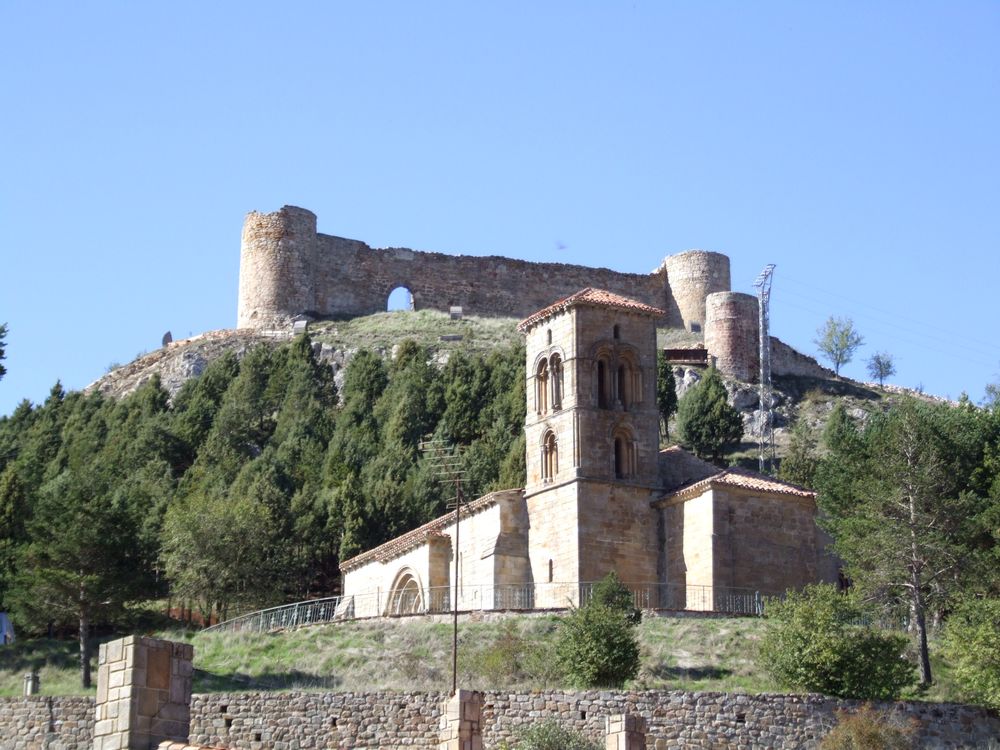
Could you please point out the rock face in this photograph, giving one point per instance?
(179, 361)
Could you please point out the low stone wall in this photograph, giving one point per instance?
(316, 720)
(265, 721)
(675, 718)
(54, 723)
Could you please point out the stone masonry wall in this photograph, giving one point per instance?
(56, 723)
(287, 268)
(269, 721)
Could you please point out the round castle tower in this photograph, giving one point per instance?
(692, 276)
(276, 256)
(732, 330)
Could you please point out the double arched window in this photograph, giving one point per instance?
(618, 378)
(549, 387)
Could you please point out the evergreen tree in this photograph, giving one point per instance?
(705, 420)
(3, 355)
(899, 502)
(666, 392)
(802, 458)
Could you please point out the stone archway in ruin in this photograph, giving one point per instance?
(406, 596)
(400, 298)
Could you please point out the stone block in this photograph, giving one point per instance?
(158, 669)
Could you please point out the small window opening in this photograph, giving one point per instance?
(556, 368)
(602, 385)
(548, 336)
(583, 715)
(551, 570)
(623, 391)
(619, 458)
(616, 331)
(228, 722)
(256, 736)
(542, 387)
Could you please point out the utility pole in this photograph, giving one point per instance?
(445, 462)
(765, 426)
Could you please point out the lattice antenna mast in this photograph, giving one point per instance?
(765, 425)
(446, 463)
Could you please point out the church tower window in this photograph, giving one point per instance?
(556, 370)
(603, 385)
(542, 387)
(550, 456)
(625, 460)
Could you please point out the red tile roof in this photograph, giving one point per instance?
(594, 297)
(743, 479)
(413, 539)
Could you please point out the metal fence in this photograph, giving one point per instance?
(482, 598)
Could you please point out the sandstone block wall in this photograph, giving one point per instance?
(287, 268)
(56, 722)
(143, 692)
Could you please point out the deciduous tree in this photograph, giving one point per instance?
(838, 340)
(881, 366)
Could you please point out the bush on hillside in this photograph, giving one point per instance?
(811, 644)
(597, 645)
(868, 730)
(972, 645)
(549, 735)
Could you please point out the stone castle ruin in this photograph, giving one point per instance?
(288, 269)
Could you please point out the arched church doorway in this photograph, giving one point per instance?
(400, 298)
(406, 597)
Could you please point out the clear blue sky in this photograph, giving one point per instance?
(855, 145)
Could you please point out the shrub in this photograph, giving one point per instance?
(610, 592)
(868, 730)
(812, 645)
(972, 645)
(549, 735)
(597, 646)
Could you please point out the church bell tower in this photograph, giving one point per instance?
(591, 428)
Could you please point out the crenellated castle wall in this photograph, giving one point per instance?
(288, 268)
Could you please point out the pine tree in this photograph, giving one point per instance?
(705, 420)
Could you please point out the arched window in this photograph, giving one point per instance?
(550, 456)
(556, 370)
(542, 387)
(625, 455)
(616, 332)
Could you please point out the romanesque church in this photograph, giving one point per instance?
(600, 496)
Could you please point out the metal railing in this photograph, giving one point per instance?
(488, 597)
